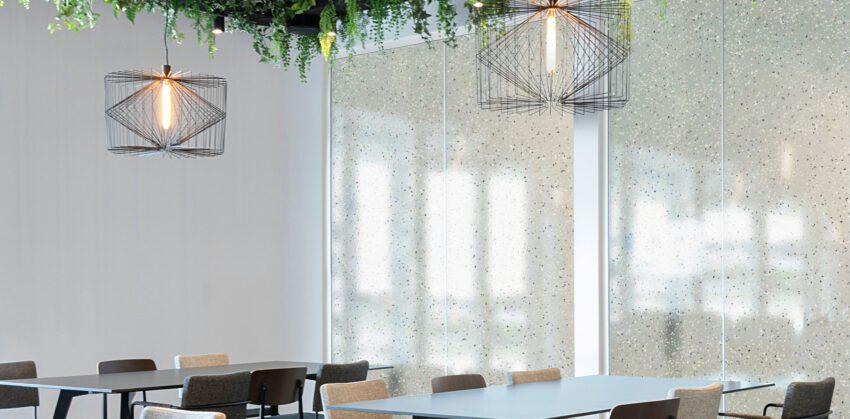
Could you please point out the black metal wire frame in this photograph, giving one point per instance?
(591, 65)
(134, 113)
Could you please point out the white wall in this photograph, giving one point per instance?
(105, 256)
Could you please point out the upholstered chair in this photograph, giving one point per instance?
(525, 377)
(803, 400)
(659, 409)
(18, 397)
(163, 413)
(201, 360)
(698, 403)
(337, 373)
(339, 393)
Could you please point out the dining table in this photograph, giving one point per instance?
(565, 398)
(128, 383)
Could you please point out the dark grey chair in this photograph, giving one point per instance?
(803, 400)
(116, 366)
(277, 387)
(659, 409)
(225, 393)
(337, 373)
(458, 382)
(18, 397)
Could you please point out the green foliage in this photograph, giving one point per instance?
(363, 20)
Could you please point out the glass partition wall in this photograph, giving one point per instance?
(451, 226)
(728, 196)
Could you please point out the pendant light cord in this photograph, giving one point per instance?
(165, 37)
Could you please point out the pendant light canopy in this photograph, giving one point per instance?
(174, 113)
(543, 55)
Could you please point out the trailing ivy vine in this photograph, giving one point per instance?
(363, 21)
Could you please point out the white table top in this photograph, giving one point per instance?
(569, 397)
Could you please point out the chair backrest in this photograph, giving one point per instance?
(524, 377)
(163, 413)
(659, 409)
(225, 393)
(125, 365)
(353, 392)
(201, 360)
(457, 382)
(809, 399)
(279, 386)
(338, 373)
(698, 403)
(15, 397)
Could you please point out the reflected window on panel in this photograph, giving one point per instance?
(506, 238)
(373, 229)
(461, 235)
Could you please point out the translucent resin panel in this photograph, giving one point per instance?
(665, 198)
(509, 233)
(451, 226)
(387, 214)
(787, 142)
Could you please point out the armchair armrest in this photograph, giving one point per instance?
(742, 415)
(769, 405)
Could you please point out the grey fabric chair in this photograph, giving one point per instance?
(337, 373)
(660, 409)
(698, 403)
(803, 400)
(18, 397)
(225, 393)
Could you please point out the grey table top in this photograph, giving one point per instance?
(151, 380)
(569, 397)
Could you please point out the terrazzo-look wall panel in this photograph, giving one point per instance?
(451, 226)
(739, 223)
(787, 195)
(665, 198)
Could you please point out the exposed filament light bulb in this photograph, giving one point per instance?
(165, 104)
(551, 41)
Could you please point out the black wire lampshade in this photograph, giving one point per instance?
(565, 55)
(180, 114)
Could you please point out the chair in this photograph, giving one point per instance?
(803, 400)
(457, 383)
(525, 377)
(125, 365)
(18, 397)
(218, 359)
(337, 373)
(201, 360)
(337, 393)
(163, 413)
(225, 393)
(698, 403)
(660, 409)
(275, 387)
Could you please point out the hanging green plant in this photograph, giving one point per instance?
(281, 30)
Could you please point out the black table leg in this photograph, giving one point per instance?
(126, 406)
(64, 403)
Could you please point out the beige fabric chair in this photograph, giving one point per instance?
(338, 393)
(524, 377)
(202, 360)
(163, 413)
(698, 403)
(218, 359)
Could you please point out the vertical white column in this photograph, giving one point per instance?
(590, 244)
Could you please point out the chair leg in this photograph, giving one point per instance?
(300, 409)
(35, 412)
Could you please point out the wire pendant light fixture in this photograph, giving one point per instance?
(163, 112)
(569, 56)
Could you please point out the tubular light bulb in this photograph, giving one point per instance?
(551, 41)
(165, 104)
